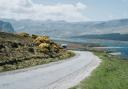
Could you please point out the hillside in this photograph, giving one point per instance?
(6, 27)
(114, 36)
(66, 29)
(23, 50)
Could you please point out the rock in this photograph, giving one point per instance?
(6, 27)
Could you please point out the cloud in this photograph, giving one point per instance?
(26, 9)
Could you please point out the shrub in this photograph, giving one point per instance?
(43, 50)
(44, 45)
(34, 36)
(31, 50)
(2, 46)
(14, 45)
(42, 39)
(24, 34)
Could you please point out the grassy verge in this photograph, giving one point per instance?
(33, 61)
(111, 74)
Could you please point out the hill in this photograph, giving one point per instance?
(66, 29)
(24, 50)
(114, 36)
(6, 27)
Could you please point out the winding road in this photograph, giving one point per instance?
(58, 75)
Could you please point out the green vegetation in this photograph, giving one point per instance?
(111, 74)
(24, 34)
(22, 50)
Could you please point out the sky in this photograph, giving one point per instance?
(67, 10)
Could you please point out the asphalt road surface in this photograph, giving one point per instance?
(58, 75)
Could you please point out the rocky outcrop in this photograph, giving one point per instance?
(6, 27)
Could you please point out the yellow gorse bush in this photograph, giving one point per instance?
(42, 39)
(44, 45)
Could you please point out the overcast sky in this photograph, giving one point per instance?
(68, 10)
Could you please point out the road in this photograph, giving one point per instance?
(58, 75)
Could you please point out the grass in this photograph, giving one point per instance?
(33, 61)
(13, 37)
(22, 50)
(111, 74)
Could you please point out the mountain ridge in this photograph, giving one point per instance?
(112, 36)
(66, 29)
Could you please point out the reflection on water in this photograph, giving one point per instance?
(123, 51)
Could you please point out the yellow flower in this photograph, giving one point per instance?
(43, 45)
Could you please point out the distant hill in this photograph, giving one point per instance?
(6, 27)
(66, 29)
(114, 36)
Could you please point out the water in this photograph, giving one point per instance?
(114, 46)
(123, 51)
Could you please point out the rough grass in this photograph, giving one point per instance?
(20, 51)
(33, 61)
(111, 74)
(13, 37)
